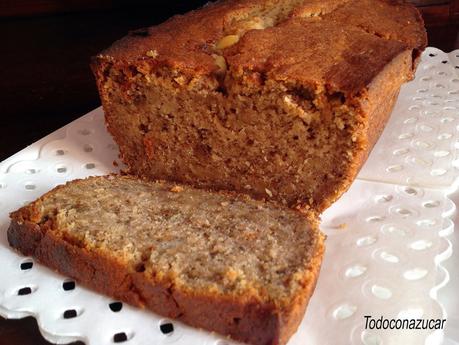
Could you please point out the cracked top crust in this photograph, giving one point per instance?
(334, 44)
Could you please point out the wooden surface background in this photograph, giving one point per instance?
(46, 82)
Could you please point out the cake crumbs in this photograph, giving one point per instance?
(342, 226)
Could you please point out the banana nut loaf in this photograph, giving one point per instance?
(219, 261)
(281, 99)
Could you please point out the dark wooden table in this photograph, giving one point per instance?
(45, 82)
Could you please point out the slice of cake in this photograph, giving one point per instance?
(219, 261)
(279, 99)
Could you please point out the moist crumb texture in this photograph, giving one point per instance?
(282, 100)
(179, 250)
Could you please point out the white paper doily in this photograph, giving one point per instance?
(385, 247)
(420, 143)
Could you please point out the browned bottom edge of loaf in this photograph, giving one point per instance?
(245, 321)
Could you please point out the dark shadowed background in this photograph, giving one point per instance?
(45, 80)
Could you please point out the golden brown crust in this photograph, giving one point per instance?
(395, 20)
(244, 319)
(341, 43)
(341, 61)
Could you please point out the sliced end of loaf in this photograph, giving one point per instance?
(218, 261)
(282, 100)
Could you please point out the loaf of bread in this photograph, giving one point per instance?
(279, 99)
(219, 261)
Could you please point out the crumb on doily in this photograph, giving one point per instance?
(342, 226)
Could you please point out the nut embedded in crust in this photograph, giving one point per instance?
(227, 41)
(220, 62)
(152, 53)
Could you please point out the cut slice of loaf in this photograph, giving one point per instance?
(219, 261)
(278, 99)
